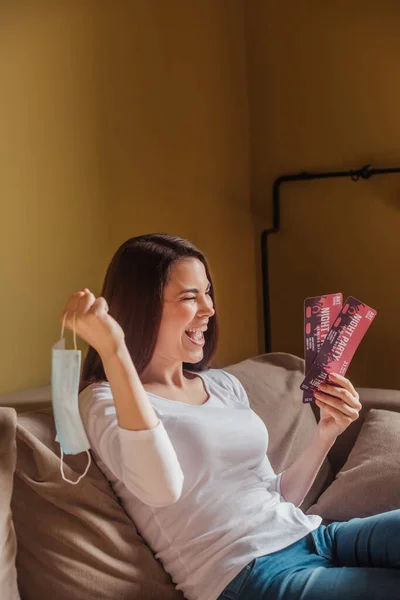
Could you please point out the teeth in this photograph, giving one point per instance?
(197, 330)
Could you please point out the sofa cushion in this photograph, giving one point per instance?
(8, 541)
(370, 398)
(77, 537)
(369, 482)
(272, 382)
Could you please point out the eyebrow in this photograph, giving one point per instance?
(193, 290)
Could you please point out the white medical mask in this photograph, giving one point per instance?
(65, 375)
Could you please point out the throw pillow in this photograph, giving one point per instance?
(369, 481)
(75, 542)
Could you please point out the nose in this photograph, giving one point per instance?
(208, 309)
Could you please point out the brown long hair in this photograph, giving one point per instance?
(133, 287)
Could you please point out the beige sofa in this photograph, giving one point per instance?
(76, 542)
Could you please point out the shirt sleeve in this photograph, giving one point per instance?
(238, 389)
(274, 483)
(276, 487)
(145, 460)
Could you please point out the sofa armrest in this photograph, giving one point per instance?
(369, 398)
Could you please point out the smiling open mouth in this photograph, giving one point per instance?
(196, 337)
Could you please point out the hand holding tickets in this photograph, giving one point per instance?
(332, 334)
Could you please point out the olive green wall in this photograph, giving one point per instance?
(324, 94)
(119, 118)
(125, 117)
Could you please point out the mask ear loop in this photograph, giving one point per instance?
(73, 325)
(80, 477)
(87, 451)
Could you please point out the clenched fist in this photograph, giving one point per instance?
(93, 323)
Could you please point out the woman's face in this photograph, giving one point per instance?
(184, 310)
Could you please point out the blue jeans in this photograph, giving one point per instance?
(312, 567)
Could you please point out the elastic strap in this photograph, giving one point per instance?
(73, 325)
(80, 477)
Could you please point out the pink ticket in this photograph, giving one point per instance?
(340, 344)
(320, 313)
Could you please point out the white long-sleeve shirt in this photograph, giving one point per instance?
(199, 486)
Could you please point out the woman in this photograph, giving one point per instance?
(187, 456)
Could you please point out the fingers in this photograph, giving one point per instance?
(342, 393)
(100, 305)
(338, 415)
(79, 303)
(85, 303)
(339, 392)
(340, 405)
(72, 304)
(346, 383)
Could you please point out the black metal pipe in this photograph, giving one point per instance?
(363, 173)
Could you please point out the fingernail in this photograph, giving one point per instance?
(333, 375)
